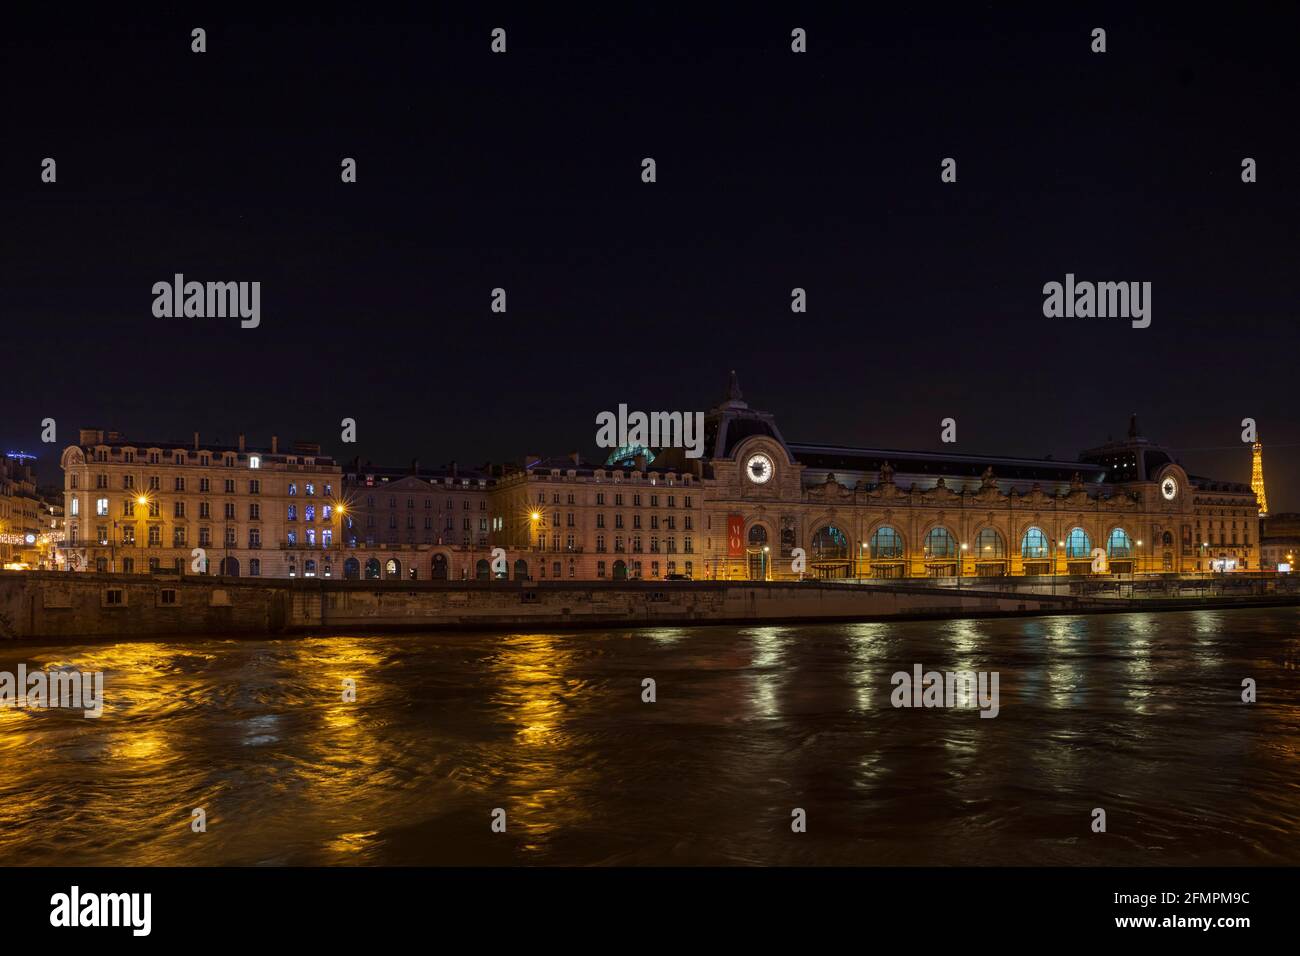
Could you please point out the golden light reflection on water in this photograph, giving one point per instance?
(551, 727)
(537, 697)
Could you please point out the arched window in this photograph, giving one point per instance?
(482, 570)
(886, 542)
(1034, 544)
(988, 544)
(757, 536)
(1119, 545)
(393, 568)
(372, 569)
(1078, 544)
(830, 544)
(939, 543)
(351, 569)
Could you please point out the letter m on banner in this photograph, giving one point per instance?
(735, 536)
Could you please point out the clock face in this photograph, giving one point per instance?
(759, 469)
(1169, 488)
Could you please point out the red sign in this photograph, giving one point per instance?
(735, 536)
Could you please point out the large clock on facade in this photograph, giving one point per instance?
(1169, 488)
(758, 468)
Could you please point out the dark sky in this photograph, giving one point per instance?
(775, 170)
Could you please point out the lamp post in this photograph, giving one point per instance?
(767, 567)
(1133, 574)
(340, 513)
(143, 502)
(961, 560)
(1056, 555)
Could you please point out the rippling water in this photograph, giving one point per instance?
(1139, 714)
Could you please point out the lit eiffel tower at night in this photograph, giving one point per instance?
(1257, 475)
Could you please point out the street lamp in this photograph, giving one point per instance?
(961, 560)
(1055, 557)
(143, 502)
(1133, 574)
(767, 568)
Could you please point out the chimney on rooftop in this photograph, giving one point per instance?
(576, 456)
(196, 441)
(275, 444)
(241, 441)
(415, 466)
(454, 470)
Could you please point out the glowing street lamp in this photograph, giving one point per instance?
(141, 500)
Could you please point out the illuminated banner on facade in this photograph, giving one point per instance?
(735, 536)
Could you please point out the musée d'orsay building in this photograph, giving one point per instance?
(744, 510)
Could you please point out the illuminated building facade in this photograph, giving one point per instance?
(1123, 507)
(417, 524)
(563, 518)
(20, 510)
(133, 506)
(754, 507)
(1280, 542)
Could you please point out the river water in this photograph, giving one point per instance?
(1137, 714)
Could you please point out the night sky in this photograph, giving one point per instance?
(775, 170)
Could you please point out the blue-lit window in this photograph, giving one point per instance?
(1119, 545)
(1078, 544)
(939, 543)
(293, 488)
(293, 513)
(1034, 544)
(886, 543)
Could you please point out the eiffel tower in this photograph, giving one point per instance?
(1257, 475)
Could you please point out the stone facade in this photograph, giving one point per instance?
(754, 507)
(134, 506)
(20, 511)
